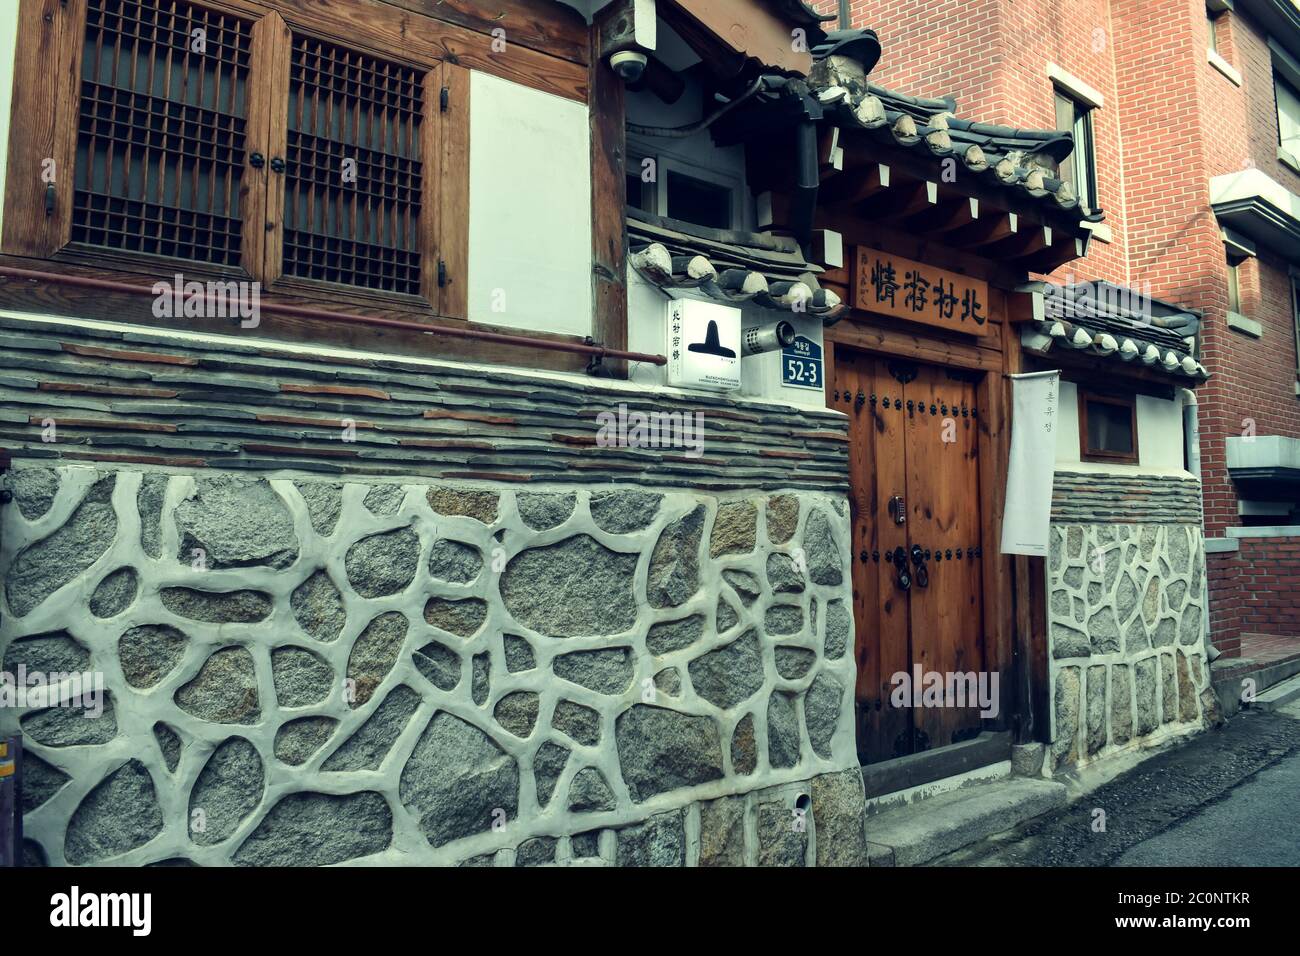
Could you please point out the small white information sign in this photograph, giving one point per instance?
(703, 345)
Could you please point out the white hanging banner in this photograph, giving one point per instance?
(1027, 511)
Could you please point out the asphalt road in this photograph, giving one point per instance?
(1230, 797)
(1256, 824)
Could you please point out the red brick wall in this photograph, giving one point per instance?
(1223, 577)
(1269, 580)
(1171, 121)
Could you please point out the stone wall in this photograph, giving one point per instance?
(1127, 656)
(307, 670)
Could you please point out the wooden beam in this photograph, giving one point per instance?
(551, 28)
(625, 25)
(855, 185)
(899, 202)
(985, 232)
(608, 198)
(896, 340)
(1026, 242)
(751, 30)
(947, 216)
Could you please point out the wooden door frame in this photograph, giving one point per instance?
(1015, 640)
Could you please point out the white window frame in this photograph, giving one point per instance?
(666, 162)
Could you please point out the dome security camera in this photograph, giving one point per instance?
(628, 64)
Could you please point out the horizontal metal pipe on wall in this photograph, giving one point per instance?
(482, 335)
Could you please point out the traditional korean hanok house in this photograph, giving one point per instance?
(927, 227)
(329, 462)
(486, 439)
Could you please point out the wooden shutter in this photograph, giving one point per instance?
(356, 183)
(163, 115)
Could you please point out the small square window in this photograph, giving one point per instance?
(1107, 428)
(698, 201)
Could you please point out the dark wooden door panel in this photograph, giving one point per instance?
(879, 607)
(911, 444)
(943, 522)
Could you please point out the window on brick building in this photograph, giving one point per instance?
(1079, 169)
(1212, 24)
(1107, 428)
(1234, 283)
(1288, 115)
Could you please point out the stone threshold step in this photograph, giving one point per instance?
(1227, 676)
(919, 832)
(1279, 695)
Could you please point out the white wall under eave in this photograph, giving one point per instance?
(8, 41)
(1160, 437)
(647, 324)
(529, 209)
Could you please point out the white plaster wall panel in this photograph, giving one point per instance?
(530, 209)
(1160, 433)
(8, 42)
(1160, 436)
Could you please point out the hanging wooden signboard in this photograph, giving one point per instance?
(914, 291)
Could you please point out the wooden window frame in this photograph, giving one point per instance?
(1083, 159)
(549, 49)
(1122, 401)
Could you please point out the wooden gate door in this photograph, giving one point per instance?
(915, 510)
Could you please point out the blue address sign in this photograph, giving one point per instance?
(801, 364)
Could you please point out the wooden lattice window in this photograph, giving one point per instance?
(354, 180)
(161, 130)
(271, 140)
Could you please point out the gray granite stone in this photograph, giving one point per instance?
(458, 780)
(455, 562)
(371, 742)
(662, 750)
(659, 841)
(42, 568)
(227, 790)
(319, 829)
(575, 587)
(119, 814)
(318, 607)
(114, 593)
(541, 512)
(821, 711)
(622, 512)
(782, 730)
(606, 671)
(383, 563)
(236, 522)
(674, 573)
(730, 674)
(297, 740)
(149, 653)
(517, 712)
(300, 676)
(374, 654)
(674, 635)
(225, 689)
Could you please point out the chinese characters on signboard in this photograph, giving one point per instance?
(920, 293)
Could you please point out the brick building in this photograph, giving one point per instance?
(1192, 111)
